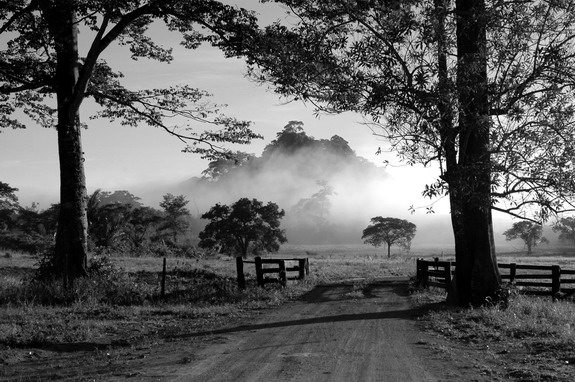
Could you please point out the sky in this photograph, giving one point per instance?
(120, 157)
(127, 158)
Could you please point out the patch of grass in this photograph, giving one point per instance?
(114, 306)
(533, 337)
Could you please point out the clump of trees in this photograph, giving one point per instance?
(304, 173)
(390, 231)
(246, 226)
(566, 228)
(531, 233)
(117, 223)
(25, 228)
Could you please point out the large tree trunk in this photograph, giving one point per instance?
(477, 274)
(71, 239)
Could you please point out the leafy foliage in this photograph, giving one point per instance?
(29, 60)
(531, 234)
(396, 63)
(469, 85)
(221, 166)
(391, 231)
(118, 224)
(41, 58)
(8, 205)
(246, 225)
(175, 211)
(566, 228)
(316, 208)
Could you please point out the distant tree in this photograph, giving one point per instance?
(7, 195)
(308, 219)
(49, 219)
(339, 146)
(316, 208)
(121, 196)
(222, 166)
(107, 220)
(391, 231)
(143, 223)
(247, 225)
(8, 205)
(289, 140)
(29, 219)
(176, 215)
(566, 229)
(531, 234)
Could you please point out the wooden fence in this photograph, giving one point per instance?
(543, 280)
(281, 267)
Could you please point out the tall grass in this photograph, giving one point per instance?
(533, 337)
(121, 301)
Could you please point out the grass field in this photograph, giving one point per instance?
(122, 310)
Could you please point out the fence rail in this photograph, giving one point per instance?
(281, 267)
(543, 280)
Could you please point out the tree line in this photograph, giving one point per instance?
(117, 223)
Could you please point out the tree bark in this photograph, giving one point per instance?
(72, 235)
(477, 274)
(389, 250)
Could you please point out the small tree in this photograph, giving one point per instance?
(143, 224)
(529, 232)
(390, 231)
(246, 224)
(176, 220)
(8, 205)
(566, 229)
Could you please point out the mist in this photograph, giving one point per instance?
(294, 167)
(329, 194)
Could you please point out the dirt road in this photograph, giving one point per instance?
(336, 333)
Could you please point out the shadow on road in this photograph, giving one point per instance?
(330, 292)
(401, 314)
(338, 291)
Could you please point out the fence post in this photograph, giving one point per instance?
(240, 269)
(447, 275)
(163, 284)
(301, 268)
(259, 271)
(283, 275)
(512, 272)
(418, 271)
(424, 266)
(307, 266)
(556, 282)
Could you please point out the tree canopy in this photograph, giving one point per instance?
(390, 231)
(176, 214)
(482, 88)
(531, 234)
(41, 59)
(245, 226)
(566, 228)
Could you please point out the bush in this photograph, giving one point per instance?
(21, 241)
(106, 283)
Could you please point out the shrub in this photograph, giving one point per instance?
(106, 283)
(20, 241)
